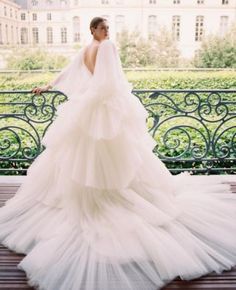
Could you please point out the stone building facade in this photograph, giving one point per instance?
(60, 24)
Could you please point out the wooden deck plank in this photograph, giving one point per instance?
(11, 278)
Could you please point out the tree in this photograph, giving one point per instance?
(159, 50)
(166, 51)
(218, 51)
(24, 59)
(134, 50)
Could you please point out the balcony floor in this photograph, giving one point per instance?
(13, 279)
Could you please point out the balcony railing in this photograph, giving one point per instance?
(195, 130)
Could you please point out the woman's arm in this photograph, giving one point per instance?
(66, 76)
(39, 90)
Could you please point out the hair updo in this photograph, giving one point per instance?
(95, 21)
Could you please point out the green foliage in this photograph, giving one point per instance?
(140, 80)
(158, 51)
(24, 81)
(25, 59)
(183, 80)
(166, 52)
(134, 50)
(218, 51)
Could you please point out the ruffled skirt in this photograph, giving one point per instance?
(99, 211)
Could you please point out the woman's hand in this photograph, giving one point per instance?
(39, 90)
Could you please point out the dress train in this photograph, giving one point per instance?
(99, 211)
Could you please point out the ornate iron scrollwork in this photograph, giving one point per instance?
(24, 119)
(195, 130)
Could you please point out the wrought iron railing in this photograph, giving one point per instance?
(195, 130)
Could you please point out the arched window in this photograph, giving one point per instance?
(35, 31)
(76, 29)
(199, 30)
(1, 33)
(63, 35)
(24, 35)
(152, 25)
(120, 24)
(34, 2)
(176, 27)
(63, 3)
(7, 34)
(17, 35)
(224, 21)
(12, 34)
(107, 17)
(49, 35)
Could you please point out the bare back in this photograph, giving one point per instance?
(90, 56)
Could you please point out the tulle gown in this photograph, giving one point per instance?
(99, 211)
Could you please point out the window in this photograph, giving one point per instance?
(24, 35)
(176, 1)
(76, 37)
(49, 35)
(120, 24)
(105, 16)
(35, 31)
(5, 11)
(10, 12)
(63, 35)
(34, 16)
(176, 27)
(49, 16)
(223, 24)
(152, 2)
(22, 16)
(199, 28)
(49, 2)
(105, 1)
(76, 2)
(17, 35)
(152, 26)
(63, 3)
(76, 28)
(1, 33)
(6, 29)
(197, 54)
(15, 14)
(34, 2)
(12, 35)
(225, 2)
(200, 1)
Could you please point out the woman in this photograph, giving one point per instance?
(98, 210)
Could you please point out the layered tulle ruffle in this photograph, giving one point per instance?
(121, 239)
(99, 211)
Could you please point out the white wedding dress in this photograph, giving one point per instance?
(99, 211)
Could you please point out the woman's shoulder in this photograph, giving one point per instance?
(107, 45)
(107, 42)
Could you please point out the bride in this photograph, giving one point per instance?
(98, 210)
